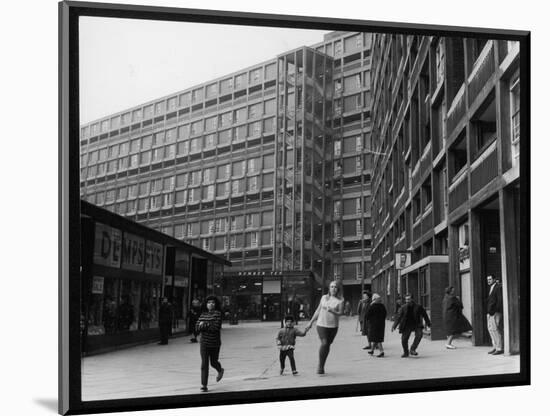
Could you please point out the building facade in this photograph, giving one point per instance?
(268, 167)
(446, 174)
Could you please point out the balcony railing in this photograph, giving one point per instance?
(459, 193)
(456, 112)
(482, 71)
(485, 171)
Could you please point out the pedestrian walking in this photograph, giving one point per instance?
(327, 317)
(494, 315)
(347, 308)
(398, 303)
(165, 320)
(376, 324)
(361, 312)
(194, 314)
(209, 326)
(286, 341)
(410, 319)
(455, 322)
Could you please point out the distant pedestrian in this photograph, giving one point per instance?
(376, 324)
(455, 322)
(494, 315)
(209, 325)
(194, 314)
(347, 308)
(410, 319)
(361, 312)
(398, 304)
(327, 316)
(286, 341)
(165, 320)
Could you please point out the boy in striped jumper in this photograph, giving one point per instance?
(209, 325)
(286, 340)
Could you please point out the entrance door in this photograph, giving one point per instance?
(271, 304)
(466, 295)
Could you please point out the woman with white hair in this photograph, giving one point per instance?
(327, 316)
(376, 324)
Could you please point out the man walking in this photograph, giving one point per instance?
(165, 320)
(410, 319)
(494, 315)
(362, 313)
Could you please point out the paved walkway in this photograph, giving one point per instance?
(250, 359)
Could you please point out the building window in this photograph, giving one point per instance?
(253, 165)
(196, 127)
(254, 129)
(253, 184)
(183, 148)
(159, 108)
(196, 95)
(222, 189)
(181, 197)
(196, 177)
(240, 115)
(240, 81)
(237, 186)
(515, 118)
(226, 119)
(183, 132)
(148, 112)
(224, 171)
(157, 186)
(211, 123)
(181, 180)
(157, 154)
(195, 145)
(255, 75)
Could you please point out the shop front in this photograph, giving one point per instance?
(126, 270)
(266, 296)
(426, 281)
(121, 287)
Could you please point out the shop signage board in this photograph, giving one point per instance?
(108, 245)
(153, 258)
(97, 285)
(127, 251)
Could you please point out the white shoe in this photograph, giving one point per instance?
(450, 347)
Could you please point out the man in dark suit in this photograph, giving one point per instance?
(411, 318)
(494, 315)
(165, 320)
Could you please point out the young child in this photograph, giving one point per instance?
(286, 339)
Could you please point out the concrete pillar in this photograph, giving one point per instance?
(509, 237)
(478, 281)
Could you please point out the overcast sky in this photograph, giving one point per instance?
(126, 62)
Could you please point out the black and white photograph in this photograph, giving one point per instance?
(262, 207)
(269, 208)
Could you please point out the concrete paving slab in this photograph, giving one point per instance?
(250, 358)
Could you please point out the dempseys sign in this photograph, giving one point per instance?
(114, 248)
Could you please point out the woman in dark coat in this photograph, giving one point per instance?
(455, 322)
(376, 323)
(209, 325)
(362, 313)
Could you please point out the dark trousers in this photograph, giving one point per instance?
(209, 353)
(326, 335)
(164, 332)
(406, 334)
(290, 355)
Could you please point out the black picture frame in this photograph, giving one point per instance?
(69, 211)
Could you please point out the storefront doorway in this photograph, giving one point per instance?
(466, 295)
